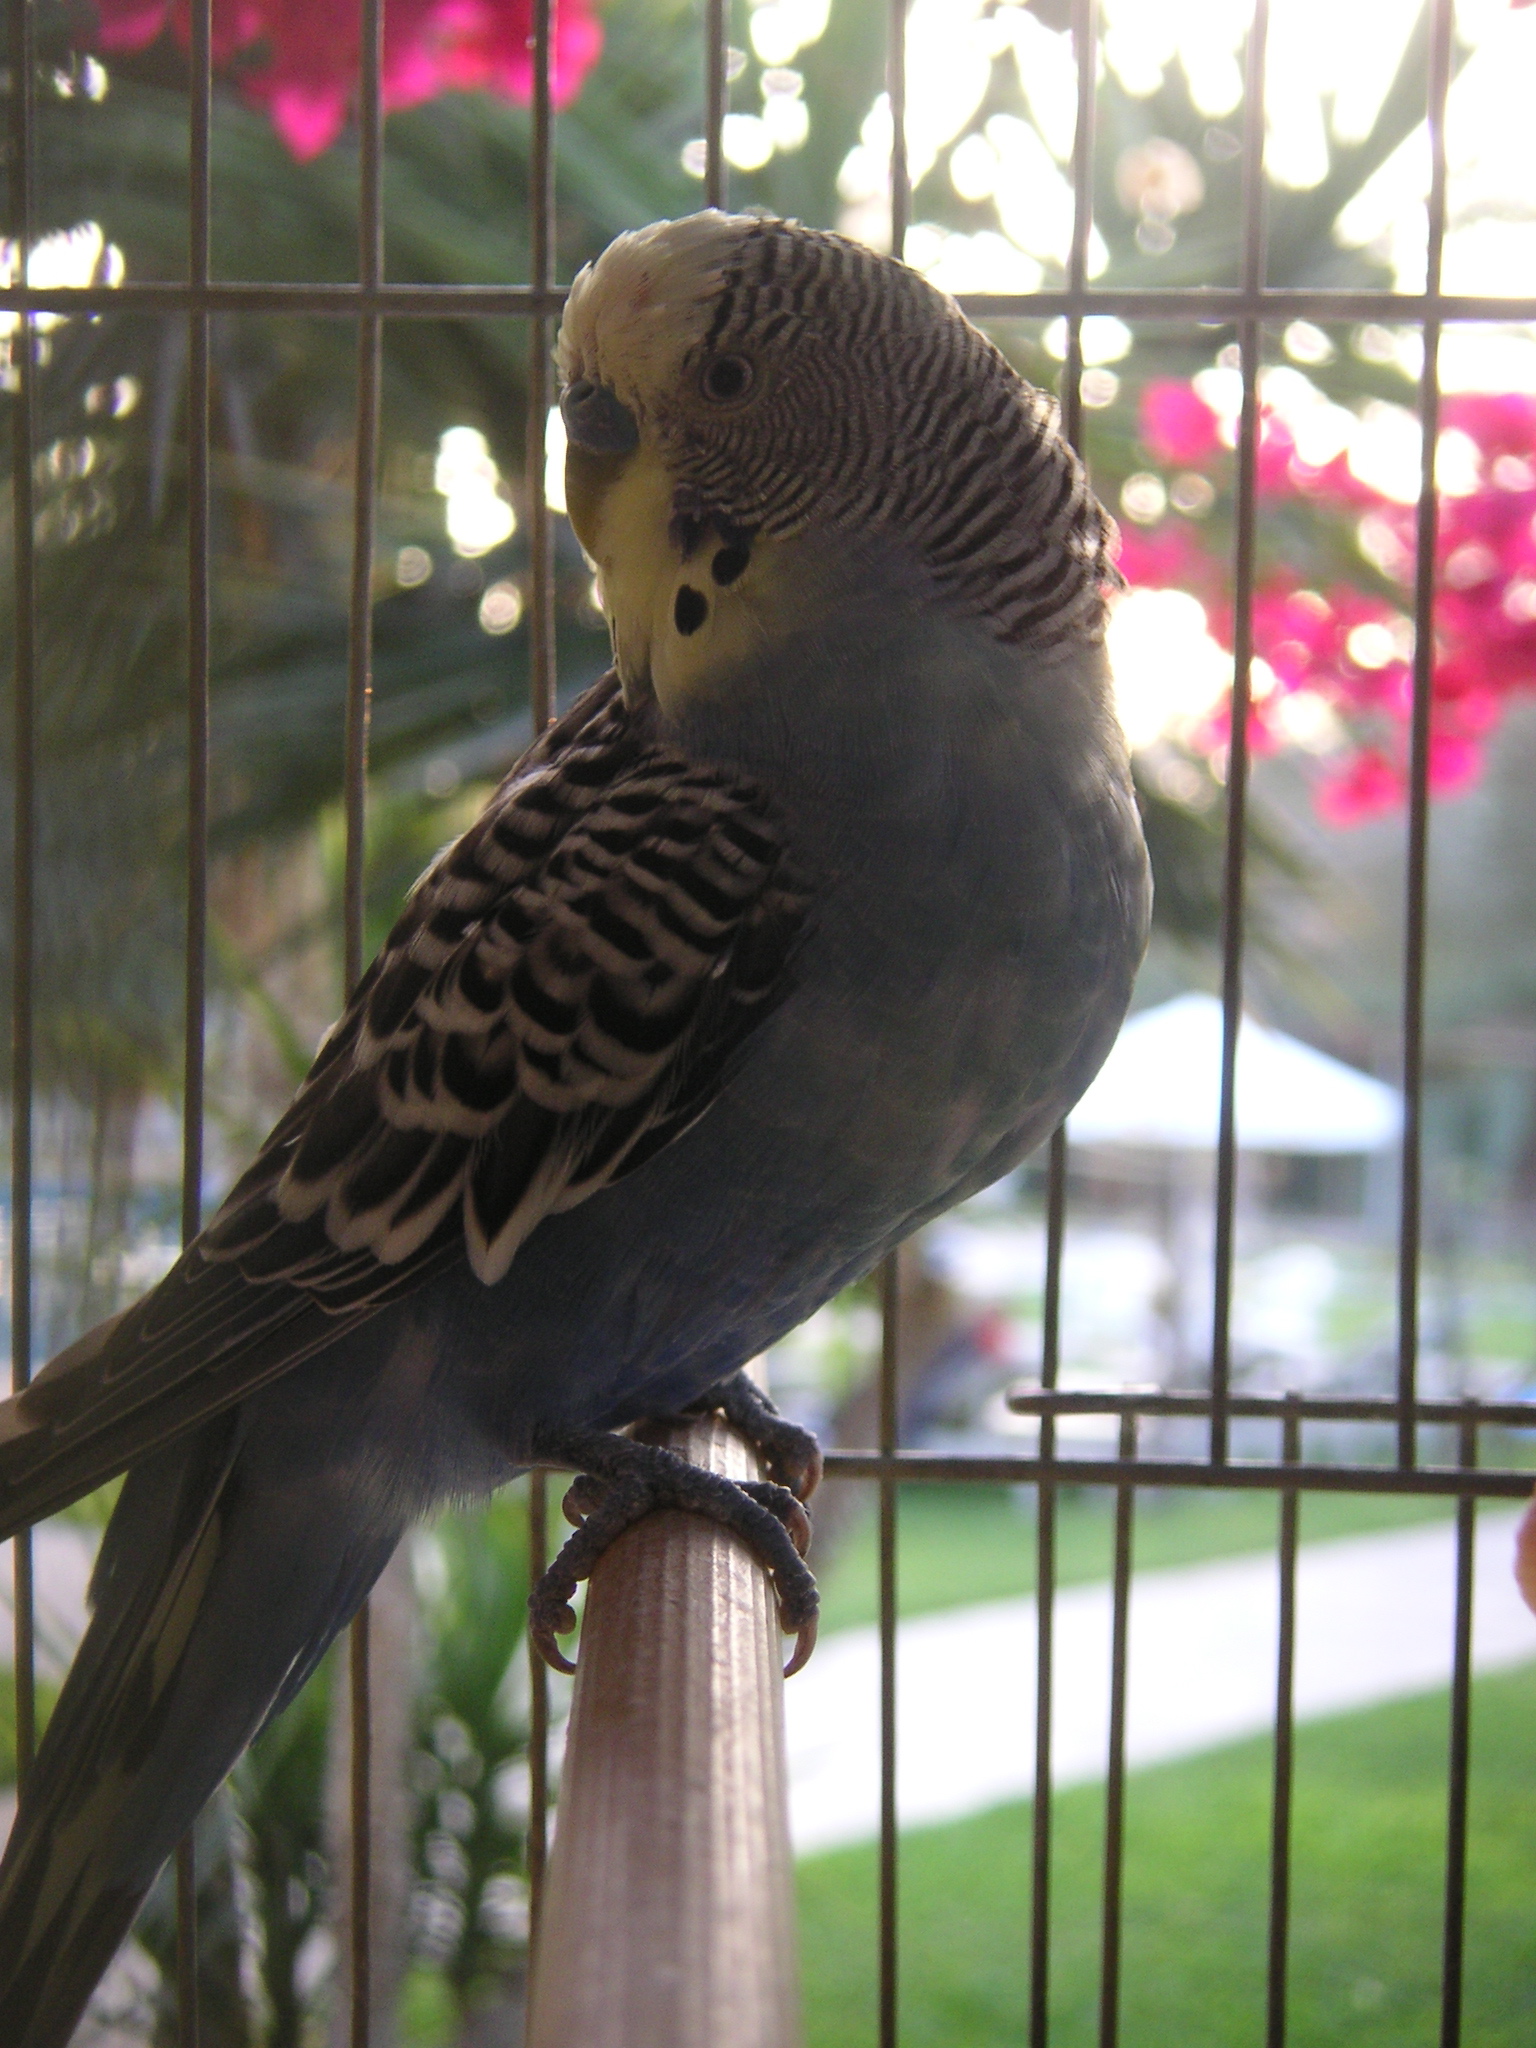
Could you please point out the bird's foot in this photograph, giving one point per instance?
(791, 1454)
(619, 1481)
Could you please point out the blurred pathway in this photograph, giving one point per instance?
(1374, 1623)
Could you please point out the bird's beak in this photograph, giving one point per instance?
(597, 419)
(602, 436)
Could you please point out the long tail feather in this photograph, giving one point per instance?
(233, 1558)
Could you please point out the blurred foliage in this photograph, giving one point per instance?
(280, 1791)
(468, 1904)
(46, 1695)
(469, 1771)
(225, 2018)
(1186, 843)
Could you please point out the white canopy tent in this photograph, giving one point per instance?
(1160, 1091)
(1161, 1087)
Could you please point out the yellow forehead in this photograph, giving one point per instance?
(633, 315)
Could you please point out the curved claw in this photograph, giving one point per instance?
(543, 1633)
(810, 1475)
(793, 1457)
(798, 1523)
(784, 1507)
(791, 1454)
(550, 1613)
(620, 1480)
(805, 1642)
(582, 1496)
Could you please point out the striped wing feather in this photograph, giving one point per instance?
(536, 1018)
(561, 996)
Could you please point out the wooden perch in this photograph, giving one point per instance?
(668, 1918)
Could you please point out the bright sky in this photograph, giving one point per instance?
(1329, 63)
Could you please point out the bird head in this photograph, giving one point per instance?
(747, 400)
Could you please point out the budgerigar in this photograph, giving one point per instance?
(814, 916)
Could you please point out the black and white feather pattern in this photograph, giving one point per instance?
(562, 995)
(556, 1001)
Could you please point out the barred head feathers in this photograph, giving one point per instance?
(794, 378)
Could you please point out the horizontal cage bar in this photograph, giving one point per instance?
(1487, 1482)
(1197, 304)
(1149, 1400)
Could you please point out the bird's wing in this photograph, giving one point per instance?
(561, 996)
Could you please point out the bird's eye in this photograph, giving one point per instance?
(727, 378)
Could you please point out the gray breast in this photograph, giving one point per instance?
(980, 909)
(967, 805)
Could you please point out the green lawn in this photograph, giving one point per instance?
(963, 1542)
(1369, 1869)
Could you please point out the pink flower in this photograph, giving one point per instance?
(1500, 422)
(1176, 424)
(1275, 455)
(1306, 637)
(1455, 760)
(1296, 631)
(1485, 594)
(1463, 696)
(1160, 557)
(496, 53)
(304, 54)
(1368, 786)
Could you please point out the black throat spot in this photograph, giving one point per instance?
(729, 562)
(690, 608)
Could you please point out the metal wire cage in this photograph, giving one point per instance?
(1252, 303)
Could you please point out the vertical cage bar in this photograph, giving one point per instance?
(541, 235)
(193, 1075)
(1459, 1765)
(1084, 57)
(1040, 1816)
(188, 2024)
(896, 87)
(1416, 893)
(717, 23)
(890, 1289)
(370, 238)
(537, 1850)
(1114, 1789)
(365, 480)
(24, 840)
(360, 1946)
(1237, 752)
(200, 88)
(541, 706)
(890, 1271)
(1285, 1703)
(1045, 1606)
